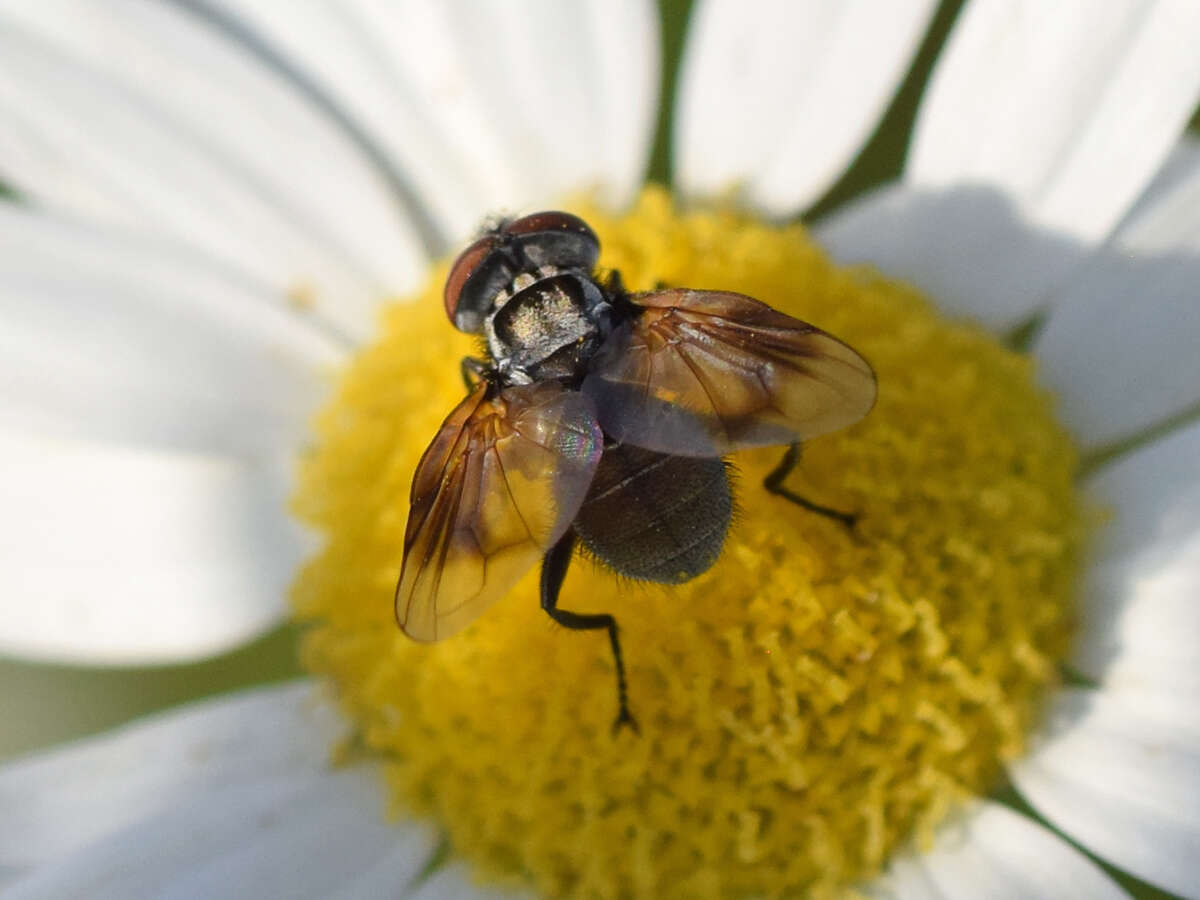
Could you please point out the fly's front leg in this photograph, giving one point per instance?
(774, 483)
(554, 570)
(472, 371)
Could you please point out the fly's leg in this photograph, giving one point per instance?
(774, 483)
(472, 371)
(554, 570)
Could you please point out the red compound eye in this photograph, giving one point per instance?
(550, 220)
(464, 267)
(556, 239)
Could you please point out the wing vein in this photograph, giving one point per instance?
(694, 369)
(511, 497)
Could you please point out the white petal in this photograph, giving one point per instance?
(1165, 220)
(1068, 107)
(152, 404)
(298, 837)
(906, 879)
(1000, 205)
(628, 90)
(1178, 167)
(126, 557)
(993, 853)
(55, 803)
(143, 115)
(1119, 347)
(968, 247)
(1124, 783)
(230, 794)
(458, 95)
(776, 98)
(110, 338)
(402, 866)
(455, 882)
(1140, 617)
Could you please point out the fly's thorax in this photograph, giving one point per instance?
(547, 326)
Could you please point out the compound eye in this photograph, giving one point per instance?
(550, 220)
(556, 239)
(464, 315)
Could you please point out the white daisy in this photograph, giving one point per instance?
(219, 195)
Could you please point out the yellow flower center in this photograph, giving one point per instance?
(815, 698)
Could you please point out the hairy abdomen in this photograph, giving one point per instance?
(656, 517)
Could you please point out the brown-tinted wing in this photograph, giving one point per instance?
(702, 373)
(499, 485)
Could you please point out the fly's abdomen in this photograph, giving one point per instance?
(656, 517)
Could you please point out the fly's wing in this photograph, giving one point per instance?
(703, 373)
(499, 485)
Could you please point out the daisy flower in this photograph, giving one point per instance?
(220, 201)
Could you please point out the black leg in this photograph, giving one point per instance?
(774, 483)
(554, 570)
(472, 370)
